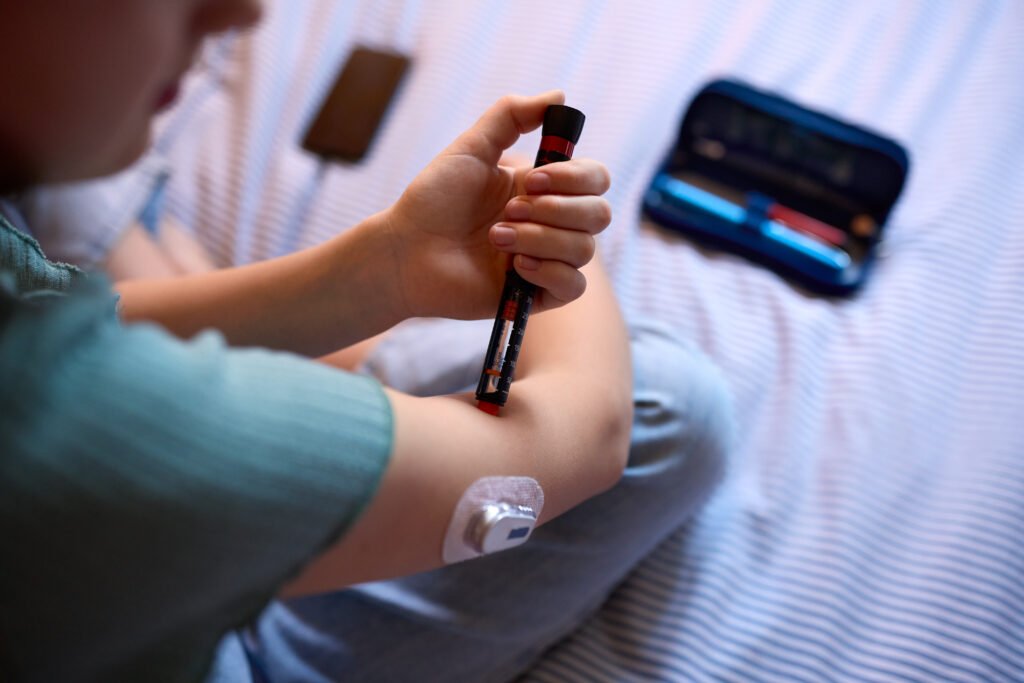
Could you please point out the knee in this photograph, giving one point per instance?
(683, 409)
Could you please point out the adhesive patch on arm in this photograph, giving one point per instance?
(495, 513)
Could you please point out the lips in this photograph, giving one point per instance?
(168, 96)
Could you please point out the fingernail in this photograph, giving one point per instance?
(503, 236)
(538, 182)
(527, 262)
(517, 211)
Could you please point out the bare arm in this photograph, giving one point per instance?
(440, 251)
(136, 255)
(304, 302)
(174, 251)
(566, 424)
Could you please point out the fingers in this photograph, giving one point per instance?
(502, 124)
(551, 231)
(576, 177)
(559, 283)
(540, 242)
(587, 213)
(552, 227)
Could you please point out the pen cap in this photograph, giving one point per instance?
(564, 122)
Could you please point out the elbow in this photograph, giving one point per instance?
(612, 432)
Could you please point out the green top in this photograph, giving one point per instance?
(155, 493)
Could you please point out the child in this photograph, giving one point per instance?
(158, 492)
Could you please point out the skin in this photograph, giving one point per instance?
(85, 109)
(424, 237)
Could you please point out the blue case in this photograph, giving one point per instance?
(793, 189)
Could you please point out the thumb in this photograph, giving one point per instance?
(502, 124)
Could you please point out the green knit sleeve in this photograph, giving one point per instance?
(155, 493)
(23, 260)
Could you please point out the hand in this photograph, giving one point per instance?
(453, 229)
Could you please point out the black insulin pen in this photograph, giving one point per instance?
(561, 132)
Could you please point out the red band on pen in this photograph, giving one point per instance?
(553, 143)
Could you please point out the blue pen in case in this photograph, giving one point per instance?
(798, 191)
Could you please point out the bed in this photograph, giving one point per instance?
(871, 526)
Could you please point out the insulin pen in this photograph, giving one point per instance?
(737, 214)
(561, 131)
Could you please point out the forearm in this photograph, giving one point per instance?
(352, 357)
(136, 255)
(566, 425)
(311, 302)
(575, 365)
(587, 337)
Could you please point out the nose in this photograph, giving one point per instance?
(217, 16)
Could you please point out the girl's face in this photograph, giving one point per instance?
(82, 79)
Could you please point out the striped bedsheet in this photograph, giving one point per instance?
(872, 525)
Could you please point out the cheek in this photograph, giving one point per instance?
(92, 136)
(86, 95)
(103, 120)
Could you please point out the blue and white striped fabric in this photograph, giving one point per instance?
(872, 526)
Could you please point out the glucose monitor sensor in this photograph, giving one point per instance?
(494, 514)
